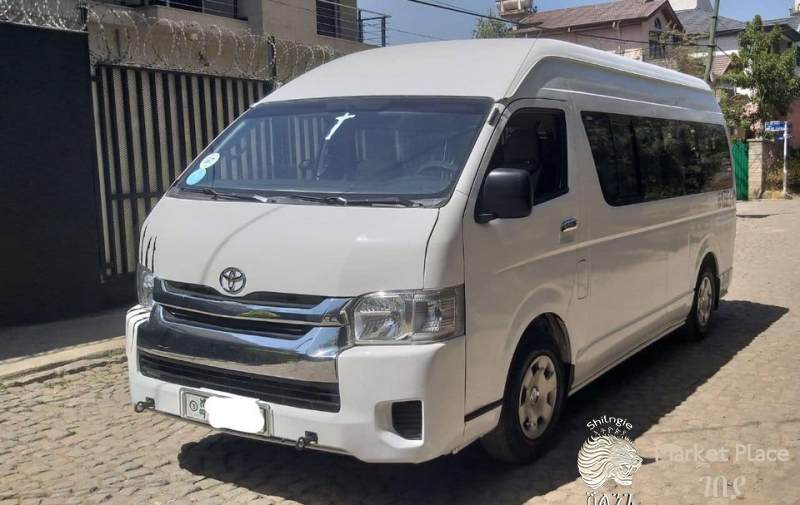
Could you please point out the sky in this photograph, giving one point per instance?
(423, 20)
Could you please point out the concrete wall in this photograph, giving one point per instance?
(586, 38)
(763, 154)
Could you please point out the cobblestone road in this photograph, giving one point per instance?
(76, 439)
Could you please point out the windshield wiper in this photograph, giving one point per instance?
(220, 195)
(340, 200)
(394, 200)
(327, 200)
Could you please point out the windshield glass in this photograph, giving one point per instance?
(411, 148)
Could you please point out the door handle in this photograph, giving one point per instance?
(569, 225)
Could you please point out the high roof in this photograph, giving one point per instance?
(492, 68)
(608, 12)
(793, 22)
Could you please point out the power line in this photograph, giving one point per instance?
(387, 28)
(460, 10)
(415, 34)
(452, 8)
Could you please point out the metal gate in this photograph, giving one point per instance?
(740, 164)
(150, 124)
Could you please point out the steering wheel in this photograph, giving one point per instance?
(442, 168)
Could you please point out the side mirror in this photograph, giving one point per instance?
(506, 194)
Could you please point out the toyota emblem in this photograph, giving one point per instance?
(232, 280)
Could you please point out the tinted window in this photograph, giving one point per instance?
(646, 159)
(598, 129)
(627, 167)
(534, 141)
(352, 147)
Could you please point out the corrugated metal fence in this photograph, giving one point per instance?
(149, 125)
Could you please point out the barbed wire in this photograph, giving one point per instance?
(123, 36)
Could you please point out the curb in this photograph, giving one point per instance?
(64, 362)
(61, 371)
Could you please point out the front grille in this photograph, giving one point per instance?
(263, 298)
(407, 419)
(302, 394)
(249, 326)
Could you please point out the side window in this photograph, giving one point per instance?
(647, 159)
(535, 141)
(689, 148)
(719, 172)
(598, 130)
(650, 148)
(627, 166)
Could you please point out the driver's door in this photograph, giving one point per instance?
(519, 268)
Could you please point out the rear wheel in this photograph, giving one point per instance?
(533, 400)
(699, 320)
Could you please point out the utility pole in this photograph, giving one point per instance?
(786, 128)
(712, 40)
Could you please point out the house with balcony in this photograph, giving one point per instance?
(338, 24)
(632, 28)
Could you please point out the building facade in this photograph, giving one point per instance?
(338, 24)
(632, 28)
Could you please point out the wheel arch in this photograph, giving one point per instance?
(553, 326)
(709, 252)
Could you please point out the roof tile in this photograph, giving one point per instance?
(592, 14)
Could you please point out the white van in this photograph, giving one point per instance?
(411, 248)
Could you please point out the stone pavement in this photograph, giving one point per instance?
(76, 439)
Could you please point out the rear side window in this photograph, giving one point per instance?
(645, 159)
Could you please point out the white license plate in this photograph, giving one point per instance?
(193, 406)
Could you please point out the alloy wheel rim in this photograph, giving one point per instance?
(705, 301)
(537, 397)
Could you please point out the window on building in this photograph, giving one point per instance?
(535, 141)
(657, 48)
(641, 159)
(328, 18)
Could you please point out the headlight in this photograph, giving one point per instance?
(409, 316)
(144, 285)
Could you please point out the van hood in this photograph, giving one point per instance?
(297, 249)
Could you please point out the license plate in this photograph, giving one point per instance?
(194, 408)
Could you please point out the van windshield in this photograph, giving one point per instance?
(346, 148)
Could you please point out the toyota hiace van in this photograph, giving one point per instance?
(412, 248)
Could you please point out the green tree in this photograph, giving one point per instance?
(770, 75)
(491, 28)
(679, 52)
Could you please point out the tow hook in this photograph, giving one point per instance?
(148, 403)
(308, 439)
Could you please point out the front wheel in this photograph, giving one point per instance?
(531, 406)
(705, 296)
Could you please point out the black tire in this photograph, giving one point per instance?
(698, 326)
(508, 441)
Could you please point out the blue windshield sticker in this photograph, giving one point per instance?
(209, 161)
(196, 176)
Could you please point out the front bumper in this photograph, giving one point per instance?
(371, 379)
